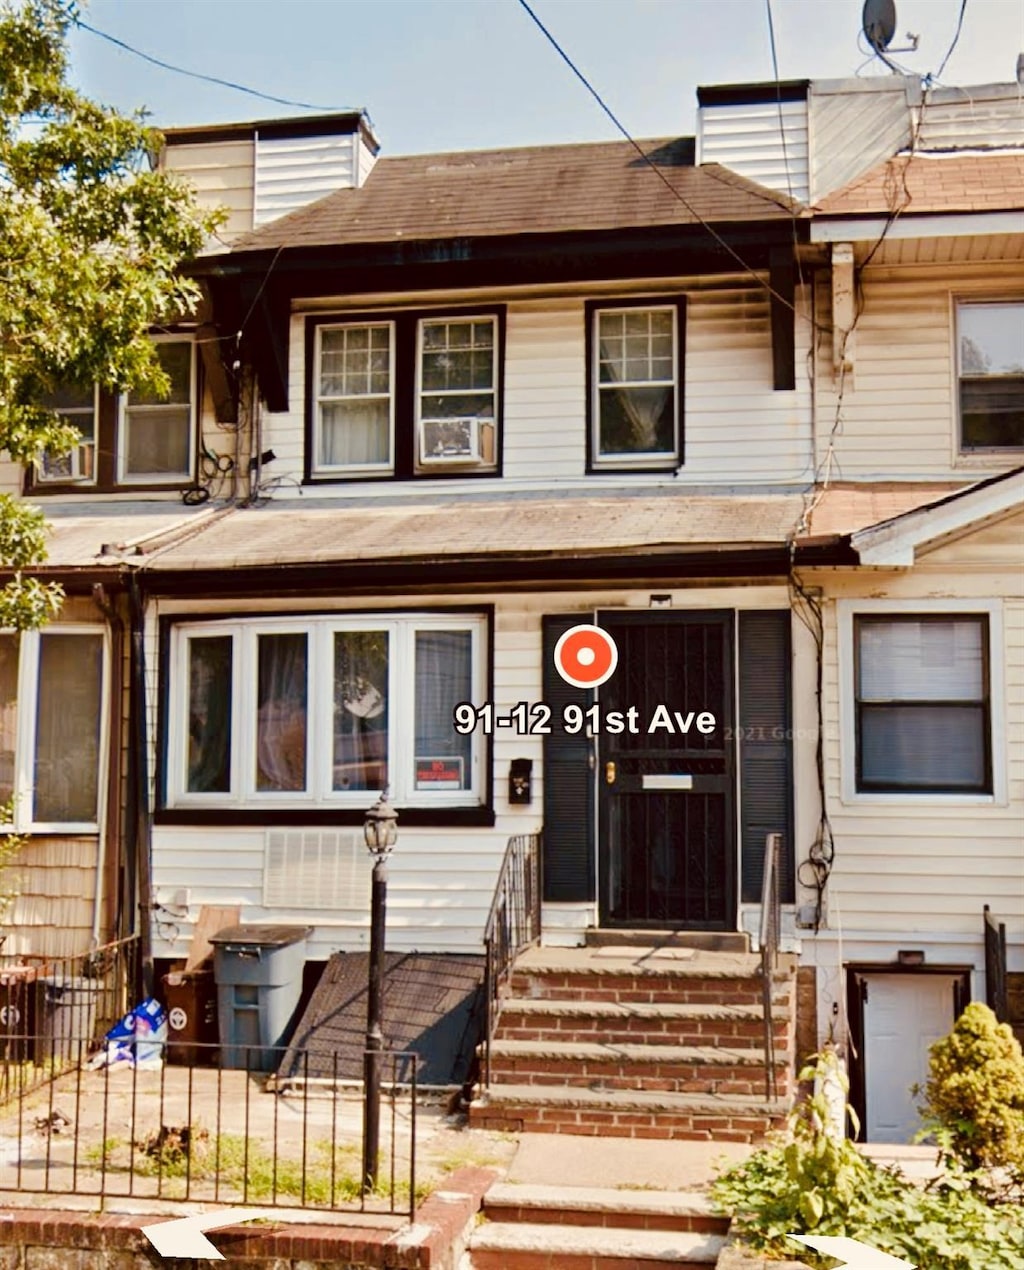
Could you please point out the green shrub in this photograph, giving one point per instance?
(810, 1182)
(975, 1093)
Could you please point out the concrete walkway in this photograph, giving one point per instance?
(562, 1159)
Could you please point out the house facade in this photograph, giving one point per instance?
(752, 406)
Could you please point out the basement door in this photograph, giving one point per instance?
(666, 794)
(903, 1015)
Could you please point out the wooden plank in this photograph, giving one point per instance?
(211, 919)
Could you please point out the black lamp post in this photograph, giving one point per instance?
(380, 829)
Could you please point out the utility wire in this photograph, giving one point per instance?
(211, 79)
(956, 39)
(654, 167)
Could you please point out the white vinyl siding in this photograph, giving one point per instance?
(899, 415)
(758, 140)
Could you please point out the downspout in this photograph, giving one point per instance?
(108, 836)
(141, 817)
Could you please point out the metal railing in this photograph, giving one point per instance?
(50, 1007)
(160, 1131)
(995, 967)
(513, 924)
(768, 939)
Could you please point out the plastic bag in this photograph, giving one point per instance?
(137, 1040)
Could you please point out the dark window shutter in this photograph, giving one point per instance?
(766, 746)
(568, 785)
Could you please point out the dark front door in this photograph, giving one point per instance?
(666, 782)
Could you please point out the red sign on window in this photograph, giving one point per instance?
(439, 773)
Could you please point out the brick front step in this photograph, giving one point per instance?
(515, 1246)
(638, 988)
(641, 1023)
(677, 1068)
(619, 1113)
(595, 1206)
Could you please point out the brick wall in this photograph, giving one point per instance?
(806, 1014)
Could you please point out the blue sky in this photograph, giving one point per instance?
(465, 74)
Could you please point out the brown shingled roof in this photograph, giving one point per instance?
(975, 182)
(542, 189)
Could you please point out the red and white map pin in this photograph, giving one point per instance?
(586, 656)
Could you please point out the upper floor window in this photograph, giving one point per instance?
(136, 439)
(990, 365)
(51, 727)
(922, 703)
(320, 711)
(635, 385)
(405, 396)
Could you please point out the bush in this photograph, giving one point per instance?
(975, 1094)
(815, 1182)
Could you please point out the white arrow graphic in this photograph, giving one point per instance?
(853, 1254)
(183, 1236)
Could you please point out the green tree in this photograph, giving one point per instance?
(91, 240)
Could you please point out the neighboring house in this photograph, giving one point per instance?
(760, 416)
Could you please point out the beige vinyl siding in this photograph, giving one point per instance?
(922, 868)
(898, 416)
(222, 173)
(748, 139)
(736, 429)
(56, 881)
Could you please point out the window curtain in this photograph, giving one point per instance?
(281, 713)
(209, 715)
(360, 710)
(444, 677)
(354, 432)
(66, 776)
(635, 348)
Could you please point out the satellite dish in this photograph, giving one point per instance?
(879, 23)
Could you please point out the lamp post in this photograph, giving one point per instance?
(380, 830)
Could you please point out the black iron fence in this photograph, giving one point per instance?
(513, 924)
(768, 939)
(53, 1007)
(996, 996)
(150, 1129)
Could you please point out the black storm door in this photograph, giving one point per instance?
(666, 781)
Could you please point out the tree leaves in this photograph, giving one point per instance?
(91, 244)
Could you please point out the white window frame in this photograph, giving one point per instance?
(74, 455)
(979, 455)
(426, 461)
(320, 630)
(123, 406)
(657, 460)
(846, 611)
(25, 734)
(352, 469)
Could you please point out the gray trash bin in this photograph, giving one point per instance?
(258, 970)
(67, 1008)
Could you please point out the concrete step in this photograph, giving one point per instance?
(678, 1068)
(620, 1208)
(626, 1113)
(527, 1246)
(641, 1023)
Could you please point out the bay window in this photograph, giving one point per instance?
(52, 722)
(319, 711)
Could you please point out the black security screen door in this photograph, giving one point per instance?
(666, 800)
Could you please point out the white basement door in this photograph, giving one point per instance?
(903, 1016)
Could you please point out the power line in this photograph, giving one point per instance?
(656, 170)
(210, 79)
(956, 39)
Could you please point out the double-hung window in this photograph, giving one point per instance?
(131, 439)
(990, 368)
(319, 711)
(405, 395)
(52, 722)
(922, 700)
(635, 385)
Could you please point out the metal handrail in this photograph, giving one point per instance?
(513, 924)
(995, 967)
(768, 939)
